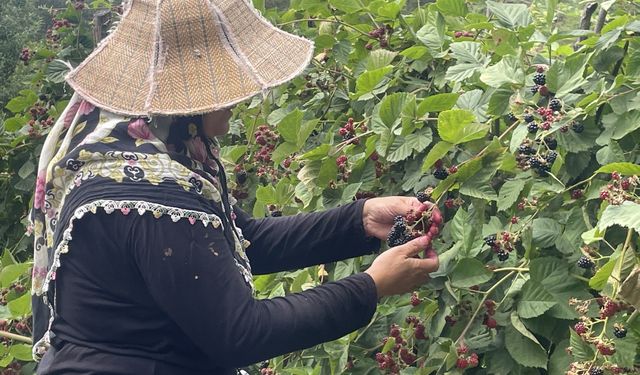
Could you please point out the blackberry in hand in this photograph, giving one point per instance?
(596, 371)
(528, 117)
(539, 79)
(422, 196)
(441, 174)
(555, 104)
(620, 332)
(503, 255)
(532, 127)
(577, 127)
(585, 262)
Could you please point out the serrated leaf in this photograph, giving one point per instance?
(618, 126)
(478, 188)
(436, 152)
(506, 72)
(580, 349)
(535, 300)
(524, 349)
(625, 169)
(566, 76)
(458, 126)
(403, 147)
(380, 58)
(626, 215)
(546, 231)
(21, 306)
(511, 16)
(347, 6)
(469, 272)
(12, 272)
(21, 352)
(456, 8)
(289, 125)
(599, 279)
(437, 103)
(387, 115)
(509, 193)
(370, 80)
(630, 288)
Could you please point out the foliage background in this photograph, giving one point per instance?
(431, 93)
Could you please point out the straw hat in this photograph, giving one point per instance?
(180, 57)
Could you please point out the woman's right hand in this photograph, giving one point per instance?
(399, 271)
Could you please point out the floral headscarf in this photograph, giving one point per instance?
(96, 160)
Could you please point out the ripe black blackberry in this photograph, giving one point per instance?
(551, 157)
(532, 127)
(555, 104)
(528, 117)
(577, 127)
(241, 177)
(620, 332)
(422, 196)
(539, 79)
(490, 240)
(526, 149)
(585, 262)
(441, 174)
(534, 89)
(512, 117)
(551, 143)
(503, 255)
(596, 371)
(398, 234)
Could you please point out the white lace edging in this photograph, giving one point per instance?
(125, 207)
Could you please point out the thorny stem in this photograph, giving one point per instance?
(15, 337)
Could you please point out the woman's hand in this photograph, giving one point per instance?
(378, 213)
(398, 271)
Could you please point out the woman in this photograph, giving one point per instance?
(143, 265)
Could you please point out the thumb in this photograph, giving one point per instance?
(415, 246)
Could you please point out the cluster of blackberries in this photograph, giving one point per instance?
(400, 233)
(540, 162)
(267, 139)
(502, 247)
(585, 262)
(348, 131)
(382, 34)
(596, 371)
(25, 55)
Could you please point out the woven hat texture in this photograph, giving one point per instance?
(182, 57)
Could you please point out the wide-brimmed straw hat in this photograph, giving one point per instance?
(181, 57)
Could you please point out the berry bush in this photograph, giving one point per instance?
(521, 127)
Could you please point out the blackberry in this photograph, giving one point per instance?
(585, 262)
(555, 104)
(620, 332)
(503, 255)
(534, 89)
(528, 117)
(525, 149)
(441, 174)
(596, 371)
(551, 157)
(241, 177)
(539, 79)
(532, 127)
(577, 127)
(551, 143)
(490, 240)
(535, 162)
(422, 196)
(512, 117)
(398, 234)
(543, 170)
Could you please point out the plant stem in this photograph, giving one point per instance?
(326, 20)
(516, 269)
(15, 337)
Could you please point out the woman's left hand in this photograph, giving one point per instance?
(378, 213)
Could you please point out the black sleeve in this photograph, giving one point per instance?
(284, 243)
(191, 274)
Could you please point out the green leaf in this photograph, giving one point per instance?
(12, 273)
(266, 195)
(509, 193)
(27, 169)
(535, 300)
(510, 16)
(456, 8)
(403, 147)
(625, 352)
(57, 71)
(21, 306)
(350, 191)
(506, 72)
(522, 345)
(289, 125)
(625, 169)
(546, 231)
(437, 103)
(566, 76)
(370, 80)
(580, 349)
(306, 130)
(283, 151)
(387, 115)
(626, 215)
(380, 58)
(21, 103)
(21, 352)
(617, 127)
(317, 153)
(438, 151)
(347, 6)
(14, 123)
(469, 272)
(458, 126)
(599, 280)
(478, 188)
(414, 52)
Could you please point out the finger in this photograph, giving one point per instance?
(414, 247)
(428, 264)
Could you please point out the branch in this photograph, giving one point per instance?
(585, 20)
(602, 16)
(15, 337)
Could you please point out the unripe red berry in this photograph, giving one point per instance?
(580, 328)
(462, 363)
(514, 220)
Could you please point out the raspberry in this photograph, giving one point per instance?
(605, 349)
(604, 195)
(620, 332)
(540, 69)
(545, 125)
(422, 196)
(577, 127)
(580, 328)
(555, 104)
(369, 46)
(615, 176)
(503, 256)
(411, 319)
(539, 79)
(532, 127)
(394, 331)
(462, 350)
(528, 117)
(596, 371)
(551, 143)
(407, 357)
(441, 174)
(462, 363)
(585, 262)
